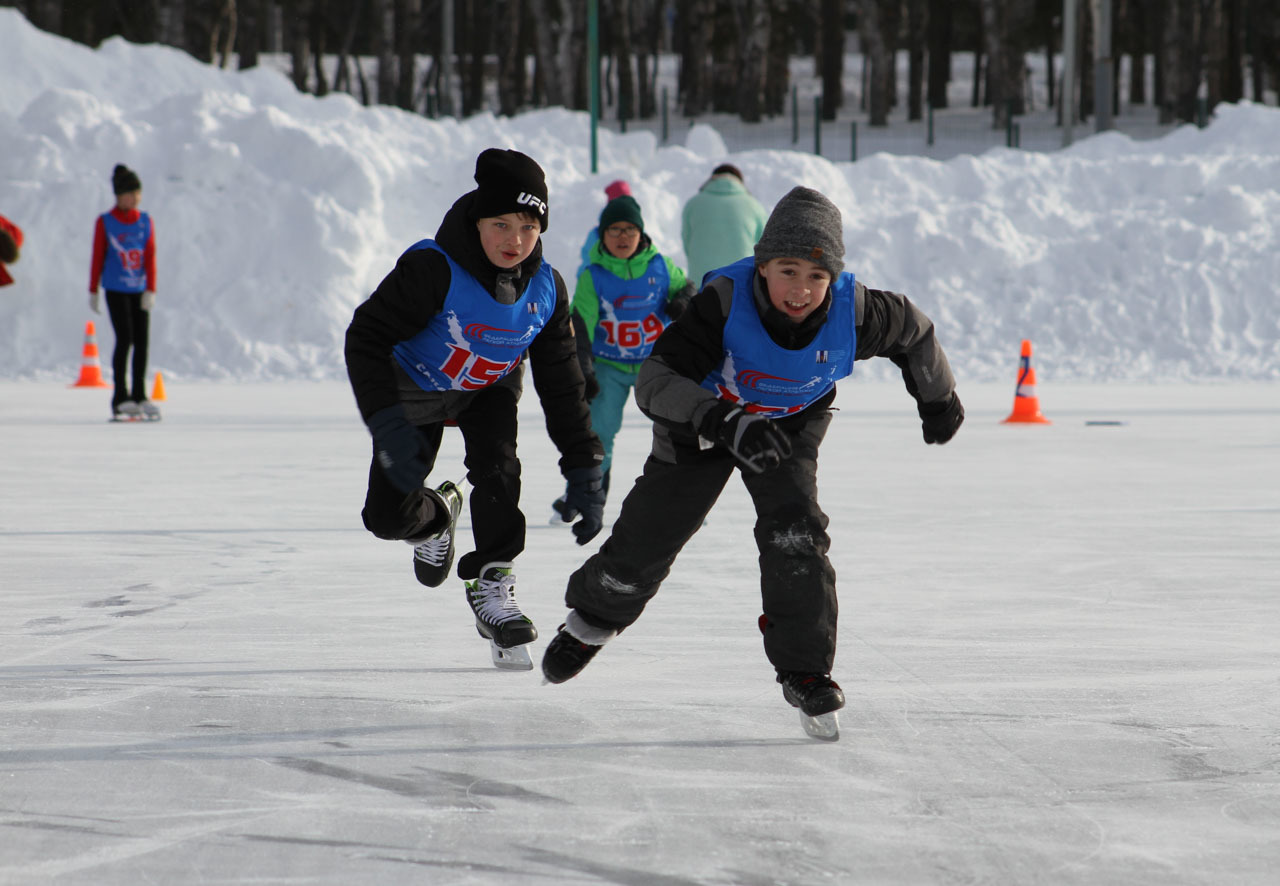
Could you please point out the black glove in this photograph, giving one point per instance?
(592, 388)
(752, 439)
(399, 448)
(941, 420)
(585, 495)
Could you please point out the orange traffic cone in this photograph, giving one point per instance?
(157, 390)
(90, 369)
(1026, 405)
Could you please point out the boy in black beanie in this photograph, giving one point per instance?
(441, 341)
(745, 378)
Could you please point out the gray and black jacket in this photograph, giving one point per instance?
(669, 389)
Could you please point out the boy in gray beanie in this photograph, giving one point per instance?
(745, 379)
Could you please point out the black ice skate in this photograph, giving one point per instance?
(499, 619)
(566, 655)
(818, 697)
(433, 556)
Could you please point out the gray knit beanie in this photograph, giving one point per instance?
(805, 225)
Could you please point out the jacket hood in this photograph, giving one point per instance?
(459, 237)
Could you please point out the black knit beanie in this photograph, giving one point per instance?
(805, 225)
(622, 209)
(728, 168)
(124, 180)
(508, 181)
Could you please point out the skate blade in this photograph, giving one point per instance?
(515, 658)
(824, 727)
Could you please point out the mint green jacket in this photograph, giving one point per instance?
(719, 225)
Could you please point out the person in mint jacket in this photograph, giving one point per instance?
(721, 223)
(627, 294)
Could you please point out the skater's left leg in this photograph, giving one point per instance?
(488, 426)
(797, 581)
(141, 323)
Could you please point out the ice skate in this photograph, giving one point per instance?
(818, 697)
(148, 410)
(566, 655)
(433, 555)
(126, 410)
(498, 618)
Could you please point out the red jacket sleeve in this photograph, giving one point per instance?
(99, 254)
(150, 258)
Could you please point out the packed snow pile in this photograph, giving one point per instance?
(276, 213)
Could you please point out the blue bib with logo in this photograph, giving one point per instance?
(474, 341)
(772, 380)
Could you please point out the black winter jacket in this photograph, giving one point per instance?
(414, 292)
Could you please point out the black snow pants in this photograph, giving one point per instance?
(132, 327)
(488, 425)
(667, 506)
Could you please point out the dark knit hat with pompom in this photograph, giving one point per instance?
(124, 180)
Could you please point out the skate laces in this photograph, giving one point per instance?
(493, 599)
(434, 550)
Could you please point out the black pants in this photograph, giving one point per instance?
(667, 506)
(132, 326)
(488, 425)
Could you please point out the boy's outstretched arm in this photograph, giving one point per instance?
(889, 325)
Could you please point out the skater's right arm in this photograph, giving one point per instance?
(400, 308)
(99, 254)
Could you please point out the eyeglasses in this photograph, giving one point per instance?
(621, 230)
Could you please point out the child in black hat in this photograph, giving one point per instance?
(625, 296)
(441, 341)
(745, 378)
(124, 263)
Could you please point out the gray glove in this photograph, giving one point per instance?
(94, 304)
(148, 300)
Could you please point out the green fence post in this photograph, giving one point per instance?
(1008, 123)
(817, 125)
(853, 141)
(666, 127)
(795, 116)
(929, 139)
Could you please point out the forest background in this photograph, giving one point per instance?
(462, 57)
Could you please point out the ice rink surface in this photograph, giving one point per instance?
(1058, 644)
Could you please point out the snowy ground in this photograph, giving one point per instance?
(213, 675)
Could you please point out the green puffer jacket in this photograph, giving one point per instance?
(586, 303)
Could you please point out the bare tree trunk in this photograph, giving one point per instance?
(832, 30)
(877, 54)
(755, 21)
(222, 36)
(408, 23)
(939, 30)
(342, 79)
(317, 25)
(477, 44)
(645, 25)
(777, 72)
(553, 23)
(297, 26)
(700, 33)
(250, 31)
(510, 56)
(384, 42)
(915, 59)
(1005, 29)
(1180, 51)
(1233, 63)
(620, 33)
